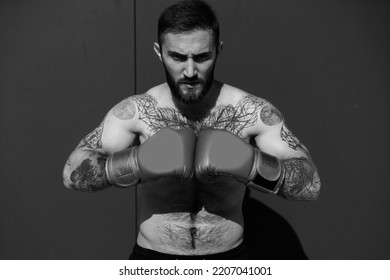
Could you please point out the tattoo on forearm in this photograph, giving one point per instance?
(94, 139)
(231, 118)
(292, 141)
(90, 175)
(125, 110)
(301, 179)
(270, 115)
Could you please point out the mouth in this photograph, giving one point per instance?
(191, 84)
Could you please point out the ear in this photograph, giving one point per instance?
(219, 47)
(157, 50)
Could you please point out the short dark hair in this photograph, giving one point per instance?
(186, 16)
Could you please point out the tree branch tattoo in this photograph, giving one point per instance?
(301, 179)
(94, 139)
(231, 118)
(235, 118)
(292, 141)
(157, 118)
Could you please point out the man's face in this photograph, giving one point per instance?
(189, 61)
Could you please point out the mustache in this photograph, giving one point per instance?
(194, 80)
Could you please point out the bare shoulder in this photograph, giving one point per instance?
(131, 107)
(127, 109)
(159, 92)
(232, 95)
(264, 113)
(123, 123)
(125, 115)
(236, 97)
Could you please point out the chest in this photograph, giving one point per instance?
(238, 119)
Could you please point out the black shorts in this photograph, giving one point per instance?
(238, 253)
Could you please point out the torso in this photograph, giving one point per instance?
(193, 218)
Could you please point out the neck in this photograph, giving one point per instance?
(197, 111)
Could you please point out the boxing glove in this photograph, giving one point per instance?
(221, 153)
(168, 153)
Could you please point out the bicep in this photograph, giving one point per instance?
(280, 141)
(274, 137)
(108, 137)
(117, 134)
(116, 131)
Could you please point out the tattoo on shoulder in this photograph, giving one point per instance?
(125, 110)
(288, 137)
(270, 115)
(94, 139)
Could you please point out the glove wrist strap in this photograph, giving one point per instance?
(122, 168)
(265, 168)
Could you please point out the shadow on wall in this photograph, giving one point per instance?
(268, 236)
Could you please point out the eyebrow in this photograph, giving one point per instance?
(200, 55)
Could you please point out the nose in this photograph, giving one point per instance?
(190, 70)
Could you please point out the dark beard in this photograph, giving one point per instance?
(190, 99)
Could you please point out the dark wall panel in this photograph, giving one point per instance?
(63, 65)
(325, 65)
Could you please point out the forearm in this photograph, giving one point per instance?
(85, 171)
(301, 180)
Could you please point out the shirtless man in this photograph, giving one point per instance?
(192, 146)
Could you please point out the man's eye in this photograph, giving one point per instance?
(202, 58)
(179, 58)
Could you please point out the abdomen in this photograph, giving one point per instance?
(191, 219)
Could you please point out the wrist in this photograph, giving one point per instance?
(267, 174)
(122, 168)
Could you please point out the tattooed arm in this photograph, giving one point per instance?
(301, 180)
(85, 168)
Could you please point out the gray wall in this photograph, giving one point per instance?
(63, 64)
